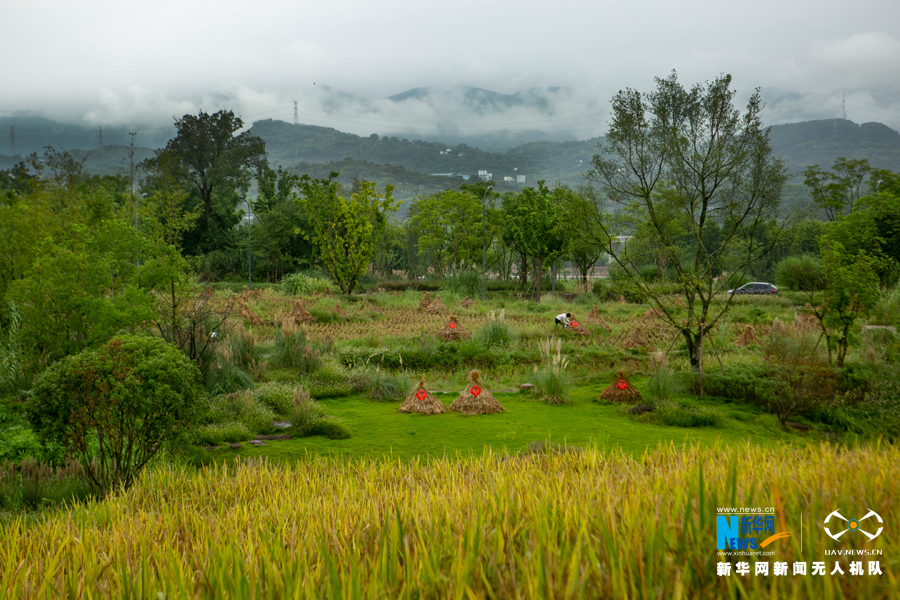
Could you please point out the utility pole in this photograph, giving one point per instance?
(131, 135)
(296, 118)
(484, 241)
(844, 107)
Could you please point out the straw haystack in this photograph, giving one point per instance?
(578, 328)
(300, 315)
(475, 400)
(365, 306)
(621, 390)
(466, 302)
(652, 313)
(807, 321)
(422, 401)
(452, 331)
(425, 303)
(636, 338)
(436, 306)
(746, 337)
(594, 317)
(246, 313)
(247, 294)
(340, 311)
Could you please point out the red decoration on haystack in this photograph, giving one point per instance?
(475, 390)
(451, 325)
(621, 390)
(573, 323)
(421, 395)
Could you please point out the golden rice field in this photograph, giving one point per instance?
(579, 524)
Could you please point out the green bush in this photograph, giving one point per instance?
(213, 434)
(464, 282)
(802, 273)
(115, 407)
(747, 383)
(494, 334)
(334, 428)
(303, 284)
(603, 291)
(277, 396)
(291, 349)
(34, 485)
(227, 376)
(663, 385)
(383, 387)
(309, 418)
(678, 415)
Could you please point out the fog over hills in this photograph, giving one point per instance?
(540, 133)
(477, 117)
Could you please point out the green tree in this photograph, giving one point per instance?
(533, 217)
(837, 190)
(345, 230)
(449, 229)
(80, 291)
(114, 407)
(583, 249)
(216, 163)
(683, 159)
(852, 291)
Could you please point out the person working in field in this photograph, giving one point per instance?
(563, 319)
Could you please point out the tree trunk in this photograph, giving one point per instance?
(538, 273)
(693, 347)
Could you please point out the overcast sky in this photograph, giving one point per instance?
(105, 62)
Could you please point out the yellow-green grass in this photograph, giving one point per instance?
(583, 524)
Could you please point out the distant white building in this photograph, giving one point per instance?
(485, 175)
(508, 178)
(520, 179)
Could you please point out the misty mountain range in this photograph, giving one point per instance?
(423, 163)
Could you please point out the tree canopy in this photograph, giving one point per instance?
(700, 176)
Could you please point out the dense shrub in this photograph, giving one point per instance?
(114, 407)
(227, 375)
(551, 382)
(464, 282)
(748, 383)
(277, 396)
(291, 349)
(682, 415)
(309, 418)
(383, 387)
(301, 284)
(801, 273)
(495, 333)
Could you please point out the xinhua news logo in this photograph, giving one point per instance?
(749, 531)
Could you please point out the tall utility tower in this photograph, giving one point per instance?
(101, 136)
(12, 140)
(844, 107)
(296, 118)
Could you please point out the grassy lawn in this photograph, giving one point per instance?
(380, 431)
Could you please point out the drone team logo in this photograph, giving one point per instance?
(853, 525)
